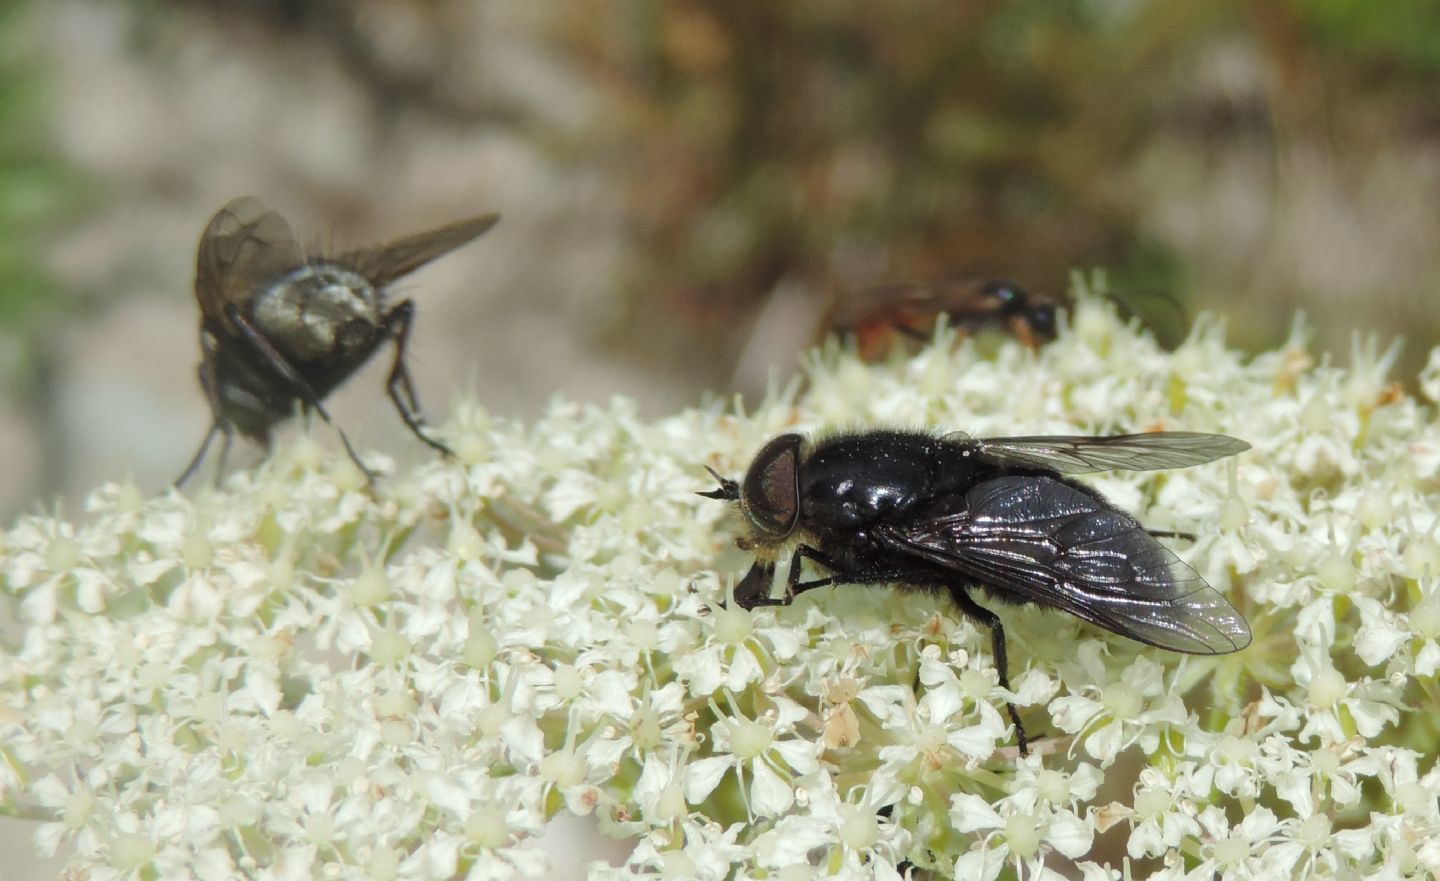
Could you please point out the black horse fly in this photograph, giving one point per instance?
(280, 330)
(954, 513)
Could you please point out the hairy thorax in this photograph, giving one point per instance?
(319, 312)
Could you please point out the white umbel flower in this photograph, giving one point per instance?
(290, 677)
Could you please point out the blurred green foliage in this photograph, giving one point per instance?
(37, 189)
(1397, 31)
(835, 144)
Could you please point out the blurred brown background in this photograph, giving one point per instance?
(664, 168)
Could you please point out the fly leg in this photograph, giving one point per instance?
(225, 454)
(1168, 533)
(200, 454)
(754, 589)
(794, 586)
(401, 389)
(276, 361)
(988, 618)
(218, 424)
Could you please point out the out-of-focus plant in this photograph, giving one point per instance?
(35, 186)
(36, 192)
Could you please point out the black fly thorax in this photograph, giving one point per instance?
(883, 477)
(320, 312)
(853, 551)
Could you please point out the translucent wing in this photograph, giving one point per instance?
(245, 245)
(382, 264)
(1039, 540)
(866, 304)
(1127, 452)
(909, 303)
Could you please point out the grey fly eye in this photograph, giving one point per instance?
(770, 493)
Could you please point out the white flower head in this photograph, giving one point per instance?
(1017, 831)
(765, 749)
(298, 676)
(1111, 716)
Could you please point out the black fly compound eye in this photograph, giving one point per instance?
(770, 493)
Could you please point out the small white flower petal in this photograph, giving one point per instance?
(1105, 741)
(769, 795)
(971, 813)
(1069, 834)
(1070, 713)
(800, 755)
(981, 864)
(703, 775)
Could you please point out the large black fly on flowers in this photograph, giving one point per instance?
(956, 513)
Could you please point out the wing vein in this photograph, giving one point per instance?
(1042, 541)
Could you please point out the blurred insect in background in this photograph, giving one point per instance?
(280, 330)
(883, 318)
(878, 317)
(954, 513)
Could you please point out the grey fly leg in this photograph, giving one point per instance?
(754, 589)
(794, 586)
(401, 389)
(206, 374)
(988, 618)
(225, 454)
(200, 454)
(307, 395)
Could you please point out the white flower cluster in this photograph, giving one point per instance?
(295, 677)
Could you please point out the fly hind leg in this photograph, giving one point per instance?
(979, 613)
(401, 389)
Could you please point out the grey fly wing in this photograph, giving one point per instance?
(382, 264)
(1042, 541)
(244, 245)
(1124, 452)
